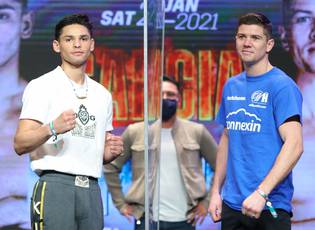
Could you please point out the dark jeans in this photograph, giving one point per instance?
(139, 224)
(235, 220)
(164, 225)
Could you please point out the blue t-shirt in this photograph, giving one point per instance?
(252, 109)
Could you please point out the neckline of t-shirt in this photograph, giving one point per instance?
(66, 78)
(259, 77)
(166, 129)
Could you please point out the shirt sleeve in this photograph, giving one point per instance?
(221, 117)
(287, 103)
(35, 102)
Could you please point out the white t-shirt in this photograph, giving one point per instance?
(79, 151)
(173, 198)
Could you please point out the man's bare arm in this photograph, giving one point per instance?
(30, 134)
(215, 206)
(291, 151)
(292, 148)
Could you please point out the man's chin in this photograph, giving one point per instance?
(78, 63)
(308, 62)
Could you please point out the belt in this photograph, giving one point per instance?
(79, 180)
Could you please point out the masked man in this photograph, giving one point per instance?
(183, 198)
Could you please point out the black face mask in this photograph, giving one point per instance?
(169, 107)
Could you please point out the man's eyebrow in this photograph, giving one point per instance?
(296, 11)
(6, 7)
(68, 36)
(240, 34)
(251, 35)
(71, 36)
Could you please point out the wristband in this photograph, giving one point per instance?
(52, 130)
(262, 194)
(268, 203)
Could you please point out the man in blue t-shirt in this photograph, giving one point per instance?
(262, 137)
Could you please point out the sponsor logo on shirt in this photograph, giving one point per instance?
(241, 120)
(259, 99)
(235, 98)
(85, 125)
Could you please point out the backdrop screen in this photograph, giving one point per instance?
(199, 53)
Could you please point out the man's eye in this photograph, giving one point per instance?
(170, 94)
(304, 19)
(240, 37)
(3, 16)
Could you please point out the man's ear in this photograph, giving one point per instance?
(27, 25)
(56, 46)
(92, 45)
(283, 38)
(270, 44)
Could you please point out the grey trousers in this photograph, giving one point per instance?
(60, 202)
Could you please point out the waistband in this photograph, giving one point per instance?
(53, 172)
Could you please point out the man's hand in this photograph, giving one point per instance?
(197, 214)
(127, 212)
(113, 147)
(64, 122)
(215, 207)
(253, 205)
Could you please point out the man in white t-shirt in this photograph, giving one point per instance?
(65, 126)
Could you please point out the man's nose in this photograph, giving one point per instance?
(312, 33)
(77, 43)
(247, 42)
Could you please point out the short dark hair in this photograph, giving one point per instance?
(257, 19)
(173, 81)
(81, 19)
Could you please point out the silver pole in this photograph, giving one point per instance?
(146, 120)
(161, 81)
